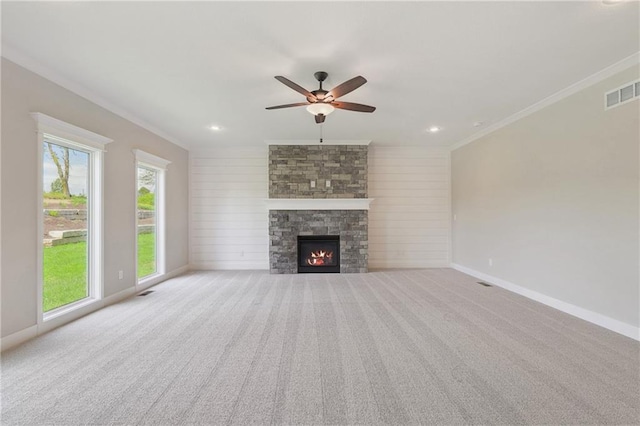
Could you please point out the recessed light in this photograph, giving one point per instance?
(435, 129)
(215, 128)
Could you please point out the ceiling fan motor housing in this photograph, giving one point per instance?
(319, 94)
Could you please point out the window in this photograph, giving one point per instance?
(147, 236)
(66, 195)
(70, 217)
(150, 248)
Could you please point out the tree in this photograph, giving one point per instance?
(56, 186)
(63, 169)
(147, 178)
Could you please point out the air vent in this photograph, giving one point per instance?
(144, 293)
(484, 284)
(622, 95)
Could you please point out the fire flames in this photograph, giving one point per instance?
(320, 257)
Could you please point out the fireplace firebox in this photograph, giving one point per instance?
(318, 253)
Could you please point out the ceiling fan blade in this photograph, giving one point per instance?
(353, 107)
(288, 105)
(294, 86)
(347, 86)
(320, 118)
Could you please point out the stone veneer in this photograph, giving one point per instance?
(291, 170)
(293, 167)
(286, 225)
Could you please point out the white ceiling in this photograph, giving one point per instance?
(179, 67)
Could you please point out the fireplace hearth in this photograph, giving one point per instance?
(318, 254)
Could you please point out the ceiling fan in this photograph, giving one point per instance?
(322, 102)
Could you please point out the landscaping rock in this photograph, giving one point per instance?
(68, 233)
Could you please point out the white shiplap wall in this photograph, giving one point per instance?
(409, 220)
(229, 218)
(409, 223)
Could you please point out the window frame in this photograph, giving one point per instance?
(67, 135)
(159, 165)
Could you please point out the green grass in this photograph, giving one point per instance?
(65, 270)
(65, 275)
(146, 201)
(55, 196)
(146, 254)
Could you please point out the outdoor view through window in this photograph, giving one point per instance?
(65, 198)
(147, 185)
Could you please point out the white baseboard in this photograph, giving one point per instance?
(19, 337)
(155, 280)
(396, 264)
(582, 313)
(231, 266)
(86, 308)
(119, 296)
(22, 336)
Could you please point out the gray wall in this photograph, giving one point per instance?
(553, 199)
(24, 92)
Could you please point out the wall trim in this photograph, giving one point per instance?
(47, 124)
(609, 323)
(317, 142)
(246, 266)
(119, 296)
(318, 203)
(151, 160)
(19, 337)
(157, 279)
(558, 96)
(38, 68)
(29, 333)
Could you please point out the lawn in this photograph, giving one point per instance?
(65, 270)
(146, 254)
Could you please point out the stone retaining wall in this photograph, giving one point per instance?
(69, 236)
(72, 214)
(81, 214)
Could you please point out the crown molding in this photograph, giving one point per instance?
(558, 96)
(38, 68)
(317, 142)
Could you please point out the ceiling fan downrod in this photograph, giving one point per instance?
(321, 76)
(320, 94)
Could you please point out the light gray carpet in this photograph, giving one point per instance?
(396, 347)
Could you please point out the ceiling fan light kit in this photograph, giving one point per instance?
(320, 108)
(321, 102)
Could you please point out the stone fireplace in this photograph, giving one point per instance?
(318, 191)
(318, 253)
